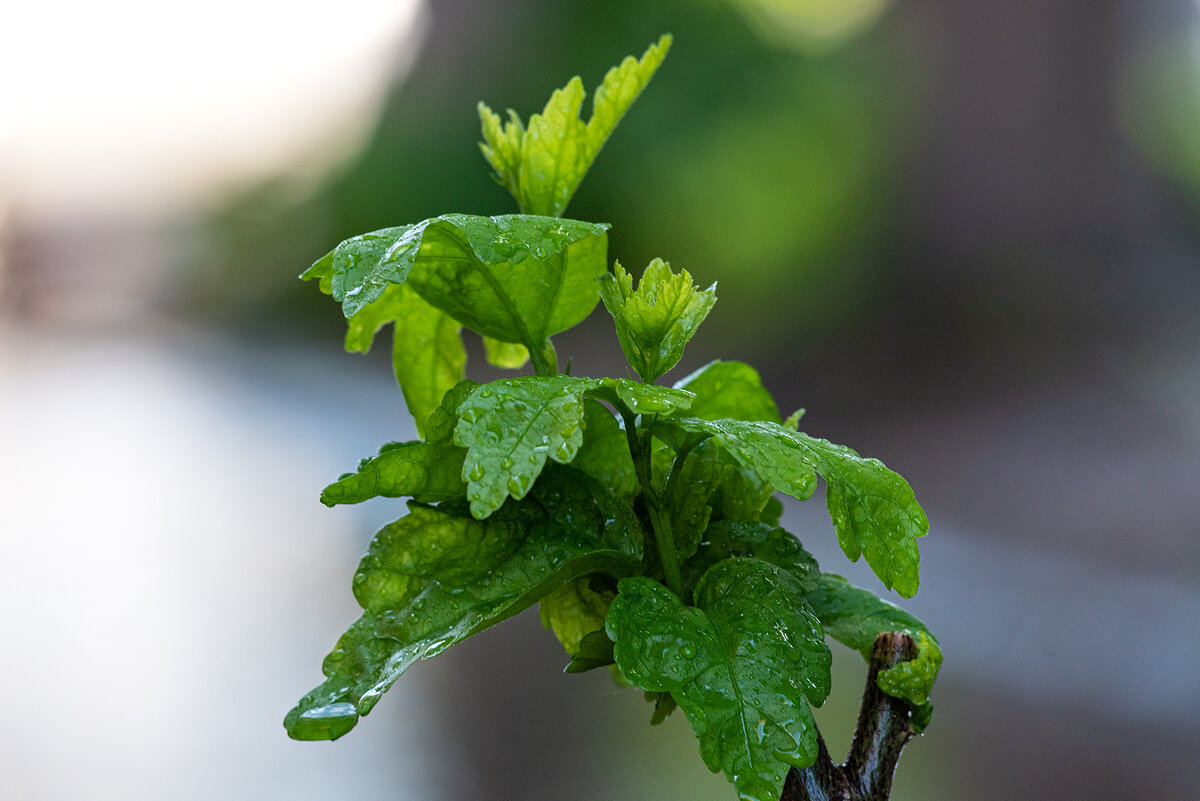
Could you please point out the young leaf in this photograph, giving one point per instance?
(873, 509)
(655, 321)
(510, 428)
(508, 355)
(729, 389)
(429, 471)
(443, 576)
(543, 164)
(855, 617)
(577, 609)
(743, 663)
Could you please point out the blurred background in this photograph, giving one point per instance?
(964, 235)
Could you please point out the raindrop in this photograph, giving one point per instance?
(507, 463)
(476, 474)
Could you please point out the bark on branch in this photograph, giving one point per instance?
(883, 729)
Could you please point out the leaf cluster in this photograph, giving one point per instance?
(641, 518)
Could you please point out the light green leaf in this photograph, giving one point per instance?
(873, 509)
(576, 609)
(438, 576)
(511, 427)
(429, 471)
(769, 543)
(743, 663)
(427, 355)
(427, 352)
(543, 164)
(513, 278)
(508, 355)
(729, 390)
(855, 617)
(655, 321)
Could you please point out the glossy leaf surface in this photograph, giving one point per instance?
(855, 617)
(873, 509)
(768, 543)
(428, 471)
(437, 576)
(543, 164)
(514, 278)
(729, 390)
(743, 663)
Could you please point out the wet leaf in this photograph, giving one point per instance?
(855, 617)
(873, 509)
(542, 165)
(743, 663)
(438, 576)
(429, 471)
(656, 321)
(769, 543)
(729, 390)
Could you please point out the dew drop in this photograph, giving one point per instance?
(476, 473)
(564, 452)
(470, 415)
(507, 463)
(688, 650)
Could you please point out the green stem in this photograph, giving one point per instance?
(660, 519)
(544, 359)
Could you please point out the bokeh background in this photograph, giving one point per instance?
(965, 235)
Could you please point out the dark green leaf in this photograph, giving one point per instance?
(769, 543)
(438, 576)
(729, 389)
(689, 487)
(604, 454)
(543, 164)
(743, 663)
(595, 651)
(855, 617)
(656, 321)
(873, 509)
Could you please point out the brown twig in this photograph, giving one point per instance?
(883, 729)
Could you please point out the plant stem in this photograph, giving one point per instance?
(883, 729)
(544, 359)
(660, 519)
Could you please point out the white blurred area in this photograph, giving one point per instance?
(162, 553)
(132, 106)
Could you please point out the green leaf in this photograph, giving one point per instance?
(639, 398)
(768, 543)
(577, 609)
(543, 164)
(729, 390)
(604, 454)
(428, 471)
(510, 428)
(855, 617)
(438, 576)
(689, 488)
(514, 278)
(873, 509)
(743, 663)
(595, 651)
(655, 321)
(508, 355)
